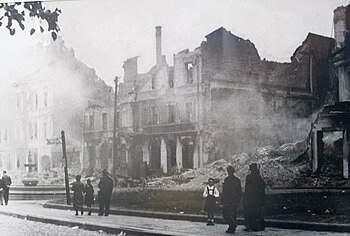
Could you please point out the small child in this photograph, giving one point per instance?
(210, 193)
(89, 195)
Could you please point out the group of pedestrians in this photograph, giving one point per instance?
(104, 194)
(231, 196)
(5, 183)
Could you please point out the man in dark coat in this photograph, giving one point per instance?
(7, 182)
(230, 199)
(254, 199)
(105, 193)
(2, 187)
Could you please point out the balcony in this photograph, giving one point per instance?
(170, 128)
(93, 135)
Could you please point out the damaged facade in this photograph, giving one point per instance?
(216, 100)
(97, 135)
(253, 102)
(50, 97)
(335, 116)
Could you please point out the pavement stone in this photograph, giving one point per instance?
(141, 225)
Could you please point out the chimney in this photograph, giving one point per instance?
(340, 24)
(341, 21)
(159, 45)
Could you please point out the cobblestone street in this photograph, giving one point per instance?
(17, 227)
(11, 226)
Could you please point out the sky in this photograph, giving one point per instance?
(104, 33)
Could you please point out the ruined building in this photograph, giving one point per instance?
(52, 94)
(335, 116)
(219, 99)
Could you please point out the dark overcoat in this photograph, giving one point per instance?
(254, 199)
(106, 188)
(231, 191)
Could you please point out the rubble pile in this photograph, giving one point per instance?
(276, 165)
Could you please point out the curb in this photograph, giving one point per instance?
(149, 214)
(310, 226)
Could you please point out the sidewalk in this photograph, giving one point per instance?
(283, 224)
(132, 225)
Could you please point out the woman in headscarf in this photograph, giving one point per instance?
(78, 197)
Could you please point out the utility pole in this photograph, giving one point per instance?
(65, 167)
(115, 143)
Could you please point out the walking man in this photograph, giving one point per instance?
(254, 199)
(105, 193)
(230, 199)
(7, 182)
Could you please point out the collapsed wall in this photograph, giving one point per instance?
(253, 102)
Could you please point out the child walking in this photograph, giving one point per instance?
(210, 193)
(89, 195)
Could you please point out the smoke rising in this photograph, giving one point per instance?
(249, 119)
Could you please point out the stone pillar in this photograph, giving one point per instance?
(127, 153)
(344, 85)
(200, 151)
(314, 149)
(163, 156)
(317, 150)
(178, 154)
(339, 20)
(196, 154)
(159, 45)
(346, 151)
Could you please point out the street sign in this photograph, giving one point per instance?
(51, 141)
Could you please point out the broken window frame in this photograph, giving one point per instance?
(154, 115)
(189, 111)
(36, 101)
(171, 113)
(91, 122)
(145, 116)
(171, 79)
(104, 121)
(189, 66)
(135, 118)
(153, 82)
(45, 99)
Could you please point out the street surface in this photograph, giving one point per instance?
(12, 226)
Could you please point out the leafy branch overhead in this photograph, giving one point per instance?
(18, 12)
